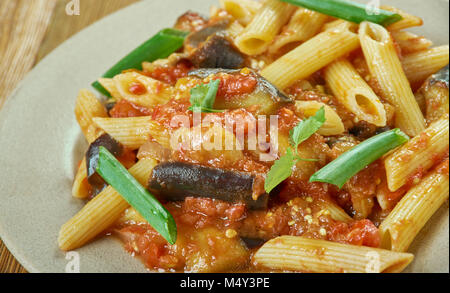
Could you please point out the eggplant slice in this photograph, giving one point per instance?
(174, 181)
(266, 95)
(210, 48)
(217, 52)
(433, 96)
(112, 145)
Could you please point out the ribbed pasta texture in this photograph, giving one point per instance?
(417, 153)
(408, 217)
(420, 65)
(293, 253)
(101, 212)
(385, 67)
(311, 56)
(354, 93)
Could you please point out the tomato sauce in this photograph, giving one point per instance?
(124, 109)
(236, 85)
(171, 74)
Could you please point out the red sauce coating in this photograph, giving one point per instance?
(137, 89)
(171, 74)
(362, 232)
(236, 84)
(124, 108)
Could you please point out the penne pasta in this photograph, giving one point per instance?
(304, 24)
(420, 65)
(354, 93)
(294, 253)
(154, 92)
(408, 217)
(417, 154)
(131, 132)
(260, 32)
(101, 212)
(110, 86)
(407, 20)
(307, 58)
(385, 66)
(410, 43)
(333, 24)
(241, 10)
(335, 211)
(87, 106)
(235, 29)
(80, 187)
(333, 124)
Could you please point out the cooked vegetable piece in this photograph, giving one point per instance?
(240, 93)
(339, 171)
(159, 46)
(433, 96)
(216, 252)
(136, 195)
(348, 10)
(217, 52)
(92, 155)
(194, 40)
(174, 181)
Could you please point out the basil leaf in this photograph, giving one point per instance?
(203, 97)
(307, 127)
(280, 171)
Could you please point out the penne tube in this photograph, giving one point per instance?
(409, 216)
(420, 65)
(407, 20)
(312, 55)
(80, 187)
(335, 211)
(333, 124)
(354, 93)
(260, 32)
(87, 106)
(101, 212)
(417, 154)
(242, 10)
(154, 92)
(304, 24)
(333, 24)
(410, 43)
(235, 29)
(384, 65)
(131, 132)
(110, 86)
(294, 253)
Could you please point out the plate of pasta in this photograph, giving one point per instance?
(235, 136)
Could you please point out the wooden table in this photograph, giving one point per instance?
(29, 30)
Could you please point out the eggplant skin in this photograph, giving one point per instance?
(174, 181)
(441, 77)
(217, 52)
(112, 145)
(195, 39)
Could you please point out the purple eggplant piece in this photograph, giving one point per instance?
(217, 52)
(174, 181)
(112, 145)
(195, 39)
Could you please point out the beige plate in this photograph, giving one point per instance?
(40, 141)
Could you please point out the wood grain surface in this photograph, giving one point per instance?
(29, 30)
